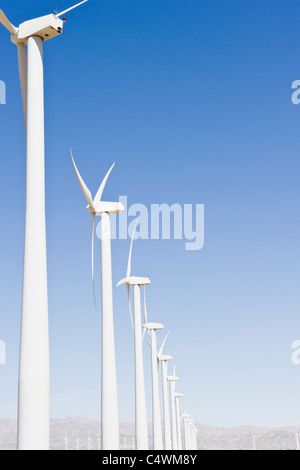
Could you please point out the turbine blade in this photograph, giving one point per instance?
(85, 190)
(22, 61)
(145, 314)
(162, 346)
(69, 9)
(144, 332)
(3, 19)
(145, 306)
(130, 253)
(98, 196)
(92, 254)
(129, 304)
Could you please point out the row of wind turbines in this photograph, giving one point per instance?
(34, 371)
(110, 421)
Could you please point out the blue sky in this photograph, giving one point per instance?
(192, 100)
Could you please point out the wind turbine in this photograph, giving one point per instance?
(164, 358)
(109, 398)
(178, 395)
(185, 417)
(34, 374)
(191, 435)
(141, 429)
(157, 434)
(194, 436)
(172, 379)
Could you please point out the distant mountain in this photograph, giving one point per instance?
(246, 438)
(83, 433)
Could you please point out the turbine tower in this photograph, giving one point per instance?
(157, 434)
(172, 379)
(109, 398)
(66, 442)
(178, 395)
(164, 358)
(34, 373)
(141, 429)
(297, 441)
(195, 437)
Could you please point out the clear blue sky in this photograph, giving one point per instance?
(192, 100)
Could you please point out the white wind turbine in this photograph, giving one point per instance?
(185, 417)
(164, 358)
(157, 434)
(109, 398)
(141, 429)
(191, 435)
(189, 432)
(34, 374)
(194, 436)
(172, 379)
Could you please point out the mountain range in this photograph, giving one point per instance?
(82, 433)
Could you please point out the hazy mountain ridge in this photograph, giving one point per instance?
(84, 433)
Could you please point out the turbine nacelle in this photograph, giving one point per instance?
(45, 27)
(153, 326)
(165, 357)
(134, 281)
(172, 378)
(178, 394)
(108, 207)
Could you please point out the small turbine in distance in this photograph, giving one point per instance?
(156, 421)
(141, 429)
